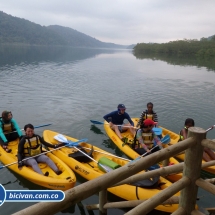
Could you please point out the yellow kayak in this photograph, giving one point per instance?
(64, 181)
(126, 148)
(174, 139)
(90, 170)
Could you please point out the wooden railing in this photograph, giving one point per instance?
(188, 185)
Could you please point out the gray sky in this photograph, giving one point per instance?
(122, 21)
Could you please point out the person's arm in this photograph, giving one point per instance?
(184, 133)
(108, 116)
(20, 150)
(155, 117)
(141, 118)
(13, 121)
(49, 144)
(129, 119)
(2, 134)
(157, 140)
(140, 140)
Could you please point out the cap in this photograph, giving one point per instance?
(148, 122)
(121, 106)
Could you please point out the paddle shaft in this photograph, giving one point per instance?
(210, 128)
(32, 156)
(38, 126)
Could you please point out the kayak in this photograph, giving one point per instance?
(64, 181)
(174, 139)
(88, 169)
(127, 149)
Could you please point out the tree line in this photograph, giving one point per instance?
(204, 47)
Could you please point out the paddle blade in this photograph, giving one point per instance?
(96, 122)
(61, 138)
(166, 139)
(72, 144)
(158, 131)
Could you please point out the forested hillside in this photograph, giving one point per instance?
(15, 30)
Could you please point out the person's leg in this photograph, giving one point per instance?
(116, 129)
(12, 136)
(33, 163)
(131, 128)
(48, 161)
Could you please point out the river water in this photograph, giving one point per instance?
(69, 87)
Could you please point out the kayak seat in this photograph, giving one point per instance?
(107, 162)
(82, 157)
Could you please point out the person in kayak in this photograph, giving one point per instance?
(149, 113)
(116, 118)
(31, 145)
(9, 130)
(208, 154)
(145, 138)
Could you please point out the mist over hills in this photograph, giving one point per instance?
(14, 30)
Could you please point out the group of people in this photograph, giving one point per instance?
(30, 144)
(145, 139)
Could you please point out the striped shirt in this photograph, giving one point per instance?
(145, 115)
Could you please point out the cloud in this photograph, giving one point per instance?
(122, 21)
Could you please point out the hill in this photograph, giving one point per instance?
(20, 31)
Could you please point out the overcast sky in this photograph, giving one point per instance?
(122, 21)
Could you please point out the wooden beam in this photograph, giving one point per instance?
(206, 185)
(180, 211)
(196, 212)
(151, 203)
(208, 143)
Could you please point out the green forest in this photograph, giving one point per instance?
(203, 48)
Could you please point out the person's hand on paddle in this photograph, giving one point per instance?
(160, 144)
(20, 164)
(60, 145)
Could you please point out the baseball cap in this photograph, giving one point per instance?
(121, 106)
(148, 122)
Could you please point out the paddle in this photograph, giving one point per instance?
(42, 153)
(158, 131)
(61, 138)
(38, 126)
(210, 128)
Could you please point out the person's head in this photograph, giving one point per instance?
(150, 107)
(189, 123)
(6, 116)
(29, 130)
(121, 108)
(147, 124)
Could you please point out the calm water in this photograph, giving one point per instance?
(68, 87)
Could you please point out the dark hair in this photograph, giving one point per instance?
(189, 121)
(28, 126)
(149, 104)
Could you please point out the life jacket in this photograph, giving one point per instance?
(147, 140)
(32, 146)
(180, 136)
(149, 115)
(7, 127)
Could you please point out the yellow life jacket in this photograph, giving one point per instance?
(148, 139)
(149, 116)
(32, 146)
(7, 128)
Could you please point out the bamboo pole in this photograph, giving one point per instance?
(102, 202)
(211, 180)
(206, 185)
(180, 211)
(192, 169)
(131, 203)
(151, 203)
(83, 191)
(208, 143)
(196, 212)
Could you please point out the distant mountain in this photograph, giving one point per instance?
(15, 30)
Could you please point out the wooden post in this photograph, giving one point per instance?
(102, 202)
(206, 185)
(196, 212)
(180, 211)
(192, 169)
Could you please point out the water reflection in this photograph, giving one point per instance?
(208, 62)
(96, 130)
(15, 55)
